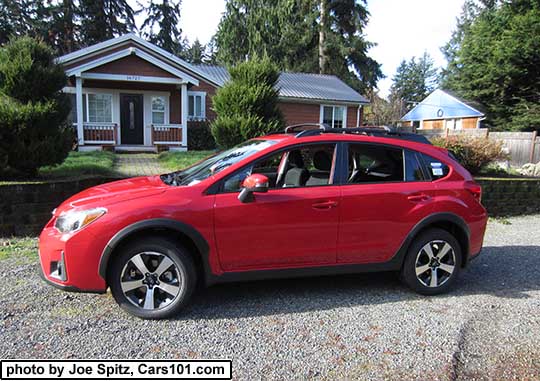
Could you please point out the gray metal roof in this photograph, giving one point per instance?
(307, 86)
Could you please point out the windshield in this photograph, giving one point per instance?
(216, 163)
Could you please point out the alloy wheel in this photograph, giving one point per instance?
(435, 263)
(151, 280)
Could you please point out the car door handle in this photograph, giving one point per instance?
(325, 205)
(418, 197)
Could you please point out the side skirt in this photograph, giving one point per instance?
(241, 276)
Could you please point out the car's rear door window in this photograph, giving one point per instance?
(414, 170)
(371, 163)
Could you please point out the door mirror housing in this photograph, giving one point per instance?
(251, 184)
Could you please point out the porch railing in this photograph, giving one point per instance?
(169, 134)
(100, 133)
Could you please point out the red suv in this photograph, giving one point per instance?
(310, 201)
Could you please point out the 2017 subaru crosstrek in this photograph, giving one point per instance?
(305, 202)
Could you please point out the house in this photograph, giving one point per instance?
(133, 95)
(444, 109)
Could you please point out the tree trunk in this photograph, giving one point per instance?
(323, 25)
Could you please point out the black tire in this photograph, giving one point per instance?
(418, 259)
(180, 276)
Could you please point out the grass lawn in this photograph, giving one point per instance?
(81, 164)
(180, 160)
(23, 248)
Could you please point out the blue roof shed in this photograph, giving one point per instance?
(442, 104)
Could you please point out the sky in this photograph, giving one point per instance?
(400, 28)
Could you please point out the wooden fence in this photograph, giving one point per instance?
(523, 147)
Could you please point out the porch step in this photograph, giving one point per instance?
(138, 149)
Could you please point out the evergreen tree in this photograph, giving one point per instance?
(33, 108)
(414, 80)
(105, 19)
(195, 53)
(63, 35)
(246, 106)
(21, 17)
(497, 63)
(300, 35)
(167, 16)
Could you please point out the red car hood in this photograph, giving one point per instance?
(111, 193)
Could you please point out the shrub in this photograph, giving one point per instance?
(200, 136)
(33, 109)
(246, 106)
(473, 153)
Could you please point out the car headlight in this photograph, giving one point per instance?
(76, 220)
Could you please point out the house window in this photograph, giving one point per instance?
(158, 110)
(72, 117)
(99, 108)
(196, 105)
(334, 116)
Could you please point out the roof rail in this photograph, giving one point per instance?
(312, 129)
(310, 126)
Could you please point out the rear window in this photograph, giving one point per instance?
(434, 167)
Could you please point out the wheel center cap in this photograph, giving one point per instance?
(435, 262)
(151, 280)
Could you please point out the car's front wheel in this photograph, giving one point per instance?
(432, 263)
(152, 278)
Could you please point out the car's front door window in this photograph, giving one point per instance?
(300, 166)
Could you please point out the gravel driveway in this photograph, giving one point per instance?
(362, 326)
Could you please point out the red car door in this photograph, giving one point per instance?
(285, 227)
(381, 205)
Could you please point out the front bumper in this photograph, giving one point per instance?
(71, 261)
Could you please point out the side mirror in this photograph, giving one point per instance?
(251, 184)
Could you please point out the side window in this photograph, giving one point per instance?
(413, 167)
(374, 164)
(311, 165)
(435, 168)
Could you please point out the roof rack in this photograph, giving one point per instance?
(312, 129)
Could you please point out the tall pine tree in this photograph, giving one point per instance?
(166, 16)
(300, 35)
(496, 62)
(105, 19)
(414, 80)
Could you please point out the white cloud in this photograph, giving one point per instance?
(403, 29)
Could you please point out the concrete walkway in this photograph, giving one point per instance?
(137, 164)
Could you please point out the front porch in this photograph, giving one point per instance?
(129, 116)
(97, 136)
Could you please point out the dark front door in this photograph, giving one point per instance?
(131, 118)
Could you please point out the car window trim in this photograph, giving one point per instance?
(217, 187)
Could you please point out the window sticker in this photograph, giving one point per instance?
(436, 169)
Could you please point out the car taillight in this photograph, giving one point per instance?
(474, 189)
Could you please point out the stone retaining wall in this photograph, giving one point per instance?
(510, 197)
(26, 208)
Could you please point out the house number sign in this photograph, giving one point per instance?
(133, 77)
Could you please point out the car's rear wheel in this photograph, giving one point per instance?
(433, 262)
(152, 278)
